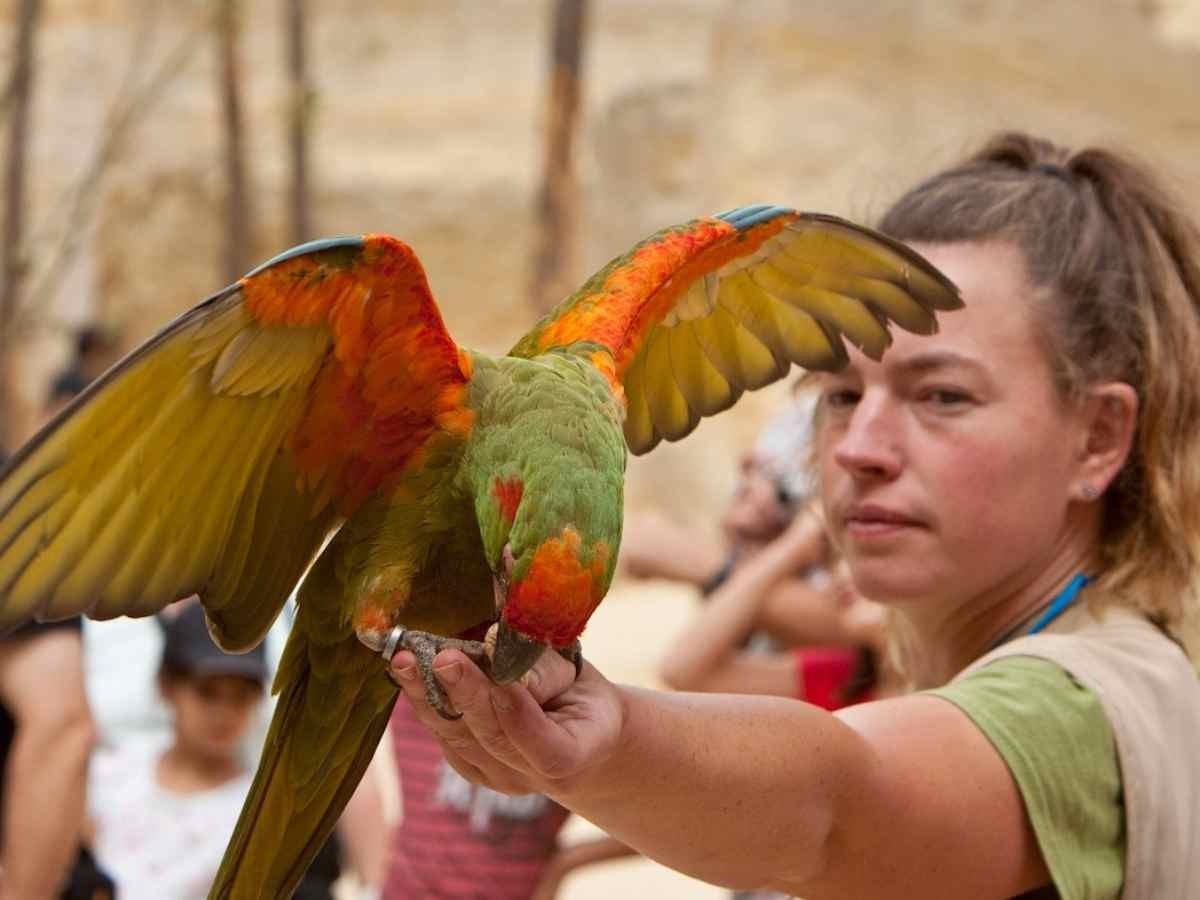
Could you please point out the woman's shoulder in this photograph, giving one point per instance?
(1103, 707)
(1118, 653)
(1055, 738)
(1018, 691)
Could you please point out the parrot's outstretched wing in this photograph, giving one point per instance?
(698, 313)
(217, 457)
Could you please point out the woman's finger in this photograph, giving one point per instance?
(472, 694)
(574, 731)
(475, 740)
(550, 676)
(454, 735)
(469, 771)
(505, 738)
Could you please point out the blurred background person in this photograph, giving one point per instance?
(842, 661)
(772, 483)
(197, 770)
(46, 736)
(456, 840)
(47, 732)
(92, 352)
(459, 841)
(771, 576)
(162, 815)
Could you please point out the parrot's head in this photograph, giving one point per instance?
(551, 540)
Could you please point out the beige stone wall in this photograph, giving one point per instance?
(428, 126)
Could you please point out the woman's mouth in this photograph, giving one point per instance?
(868, 521)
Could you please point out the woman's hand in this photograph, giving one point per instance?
(804, 541)
(652, 546)
(536, 736)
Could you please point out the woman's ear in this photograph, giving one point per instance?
(1110, 417)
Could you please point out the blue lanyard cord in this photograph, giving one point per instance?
(1061, 601)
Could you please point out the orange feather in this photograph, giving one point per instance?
(508, 495)
(394, 379)
(638, 290)
(558, 592)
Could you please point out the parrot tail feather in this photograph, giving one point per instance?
(322, 737)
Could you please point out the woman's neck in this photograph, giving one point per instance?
(943, 646)
(183, 770)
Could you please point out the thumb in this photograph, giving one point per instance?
(550, 676)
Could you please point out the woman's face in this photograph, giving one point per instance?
(947, 469)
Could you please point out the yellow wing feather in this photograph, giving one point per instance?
(790, 301)
(129, 500)
(208, 462)
(698, 313)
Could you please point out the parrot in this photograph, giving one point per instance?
(314, 428)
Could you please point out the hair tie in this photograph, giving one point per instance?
(1053, 169)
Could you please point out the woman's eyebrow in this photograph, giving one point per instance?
(934, 360)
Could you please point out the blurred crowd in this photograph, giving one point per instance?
(129, 744)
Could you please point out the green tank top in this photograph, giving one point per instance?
(1054, 736)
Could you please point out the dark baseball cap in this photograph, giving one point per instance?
(189, 650)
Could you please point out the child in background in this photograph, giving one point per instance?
(163, 815)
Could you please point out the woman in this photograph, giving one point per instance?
(772, 485)
(1022, 490)
(838, 637)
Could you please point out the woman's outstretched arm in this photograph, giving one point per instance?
(891, 799)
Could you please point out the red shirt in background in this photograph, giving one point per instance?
(823, 675)
(458, 840)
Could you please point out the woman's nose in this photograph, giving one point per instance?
(869, 444)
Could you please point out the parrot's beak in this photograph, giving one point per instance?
(514, 655)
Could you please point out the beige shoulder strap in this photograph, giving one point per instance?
(1151, 694)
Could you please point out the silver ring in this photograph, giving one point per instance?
(395, 636)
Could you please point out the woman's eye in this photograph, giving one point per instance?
(840, 399)
(946, 397)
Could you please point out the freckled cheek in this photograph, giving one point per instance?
(996, 506)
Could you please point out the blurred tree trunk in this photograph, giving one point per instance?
(19, 93)
(554, 253)
(140, 90)
(300, 114)
(237, 204)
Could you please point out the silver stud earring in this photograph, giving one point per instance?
(1090, 492)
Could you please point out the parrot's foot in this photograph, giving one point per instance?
(425, 647)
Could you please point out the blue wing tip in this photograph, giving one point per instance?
(744, 217)
(344, 240)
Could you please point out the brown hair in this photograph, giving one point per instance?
(1115, 263)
